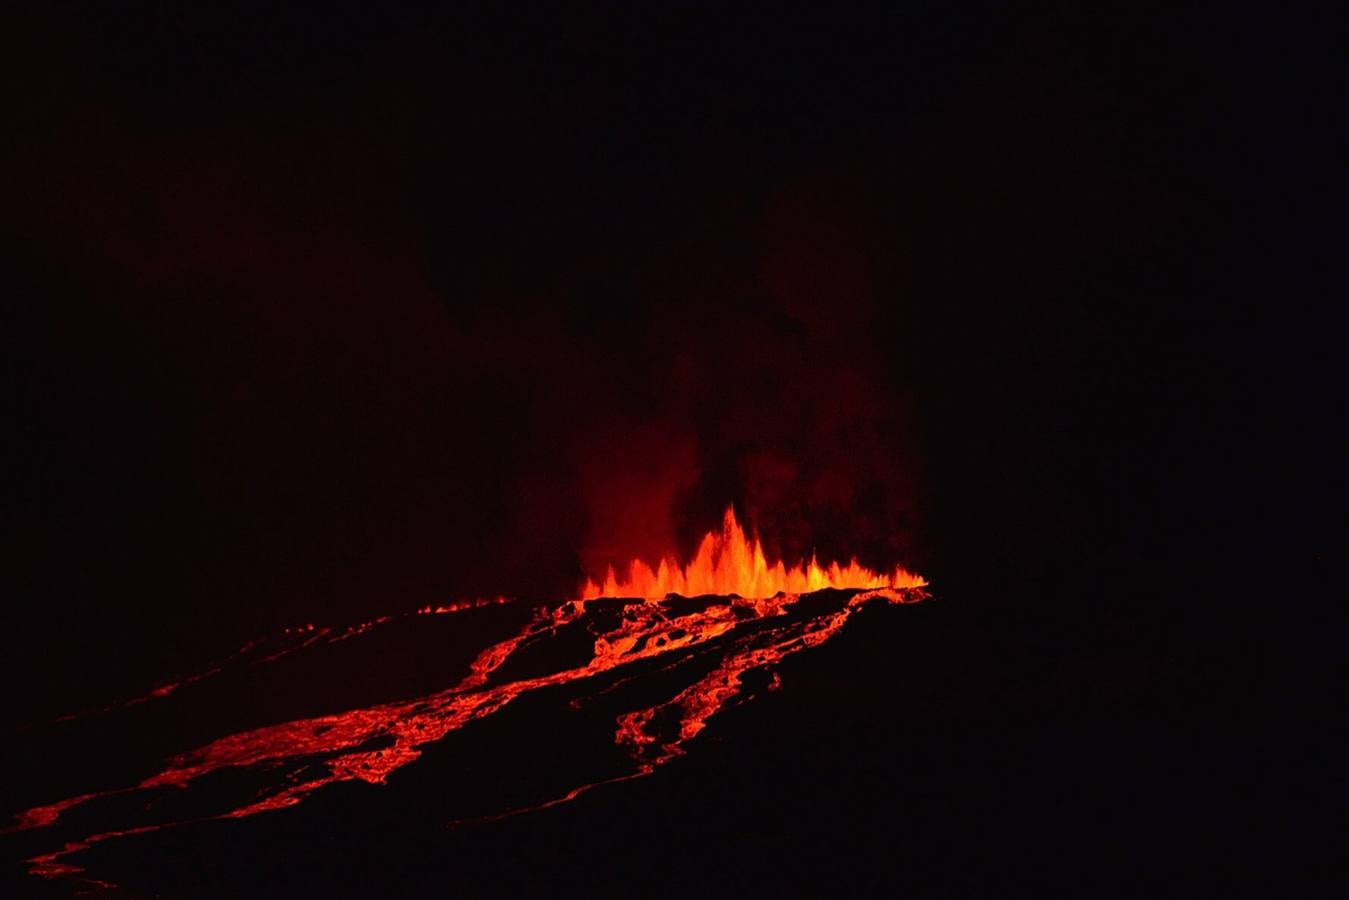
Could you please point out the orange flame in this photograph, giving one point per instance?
(729, 563)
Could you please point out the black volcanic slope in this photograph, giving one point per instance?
(464, 716)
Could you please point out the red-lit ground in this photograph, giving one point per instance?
(701, 653)
(712, 652)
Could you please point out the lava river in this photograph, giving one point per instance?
(703, 654)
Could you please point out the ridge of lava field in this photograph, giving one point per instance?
(625, 685)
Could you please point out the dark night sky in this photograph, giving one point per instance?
(317, 316)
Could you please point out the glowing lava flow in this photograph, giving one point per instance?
(285, 763)
(279, 646)
(728, 563)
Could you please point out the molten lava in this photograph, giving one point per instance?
(728, 563)
(762, 614)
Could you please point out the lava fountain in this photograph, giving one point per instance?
(728, 563)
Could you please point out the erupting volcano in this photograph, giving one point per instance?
(704, 637)
(728, 563)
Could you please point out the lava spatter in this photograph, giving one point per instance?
(729, 562)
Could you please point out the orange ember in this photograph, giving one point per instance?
(730, 563)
